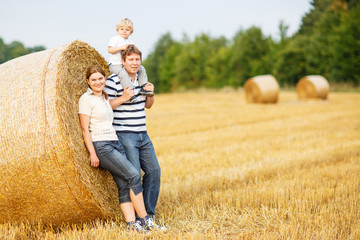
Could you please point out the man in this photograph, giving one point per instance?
(130, 125)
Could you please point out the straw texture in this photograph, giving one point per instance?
(45, 173)
(312, 86)
(262, 89)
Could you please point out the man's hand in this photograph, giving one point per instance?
(149, 100)
(149, 87)
(128, 93)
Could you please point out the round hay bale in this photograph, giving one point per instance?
(312, 86)
(261, 89)
(45, 173)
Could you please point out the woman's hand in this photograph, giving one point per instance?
(128, 93)
(94, 160)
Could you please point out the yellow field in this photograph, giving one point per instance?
(232, 170)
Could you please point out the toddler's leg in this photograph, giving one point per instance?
(124, 78)
(125, 81)
(143, 80)
(115, 68)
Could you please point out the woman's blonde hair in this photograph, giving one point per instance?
(125, 23)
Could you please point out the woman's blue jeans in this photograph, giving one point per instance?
(141, 153)
(112, 157)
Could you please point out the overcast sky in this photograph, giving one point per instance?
(54, 23)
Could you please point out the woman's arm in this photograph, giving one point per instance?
(84, 123)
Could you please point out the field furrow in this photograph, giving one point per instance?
(233, 170)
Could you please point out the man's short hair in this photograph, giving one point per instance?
(130, 50)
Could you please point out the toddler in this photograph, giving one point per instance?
(118, 43)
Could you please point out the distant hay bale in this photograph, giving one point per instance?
(312, 86)
(262, 89)
(45, 173)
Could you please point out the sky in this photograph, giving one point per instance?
(54, 23)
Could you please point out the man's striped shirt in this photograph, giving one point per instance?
(128, 117)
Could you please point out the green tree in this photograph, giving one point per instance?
(310, 19)
(321, 54)
(283, 34)
(153, 61)
(250, 55)
(15, 49)
(3, 52)
(325, 44)
(192, 63)
(167, 76)
(217, 69)
(184, 67)
(36, 49)
(346, 50)
(291, 64)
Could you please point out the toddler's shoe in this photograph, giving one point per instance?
(132, 99)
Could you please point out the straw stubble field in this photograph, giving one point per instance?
(232, 170)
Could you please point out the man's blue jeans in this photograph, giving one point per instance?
(140, 151)
(112, 157)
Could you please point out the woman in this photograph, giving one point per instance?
(96, 117)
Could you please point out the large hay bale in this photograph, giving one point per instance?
(312, 86)
(262, 89)
(45, 173)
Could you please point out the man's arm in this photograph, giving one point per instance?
(111, 89)
(149, 100)
(127, 94)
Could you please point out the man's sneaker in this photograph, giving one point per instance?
(135, 226)
(145, 92)
(160, 226)
(132, 99)
(148, 223)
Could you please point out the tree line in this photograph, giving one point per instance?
(15, 49)
(327, 43)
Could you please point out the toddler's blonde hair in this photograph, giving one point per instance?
(125, 23)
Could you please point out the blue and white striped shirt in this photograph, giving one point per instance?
(128, 117)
